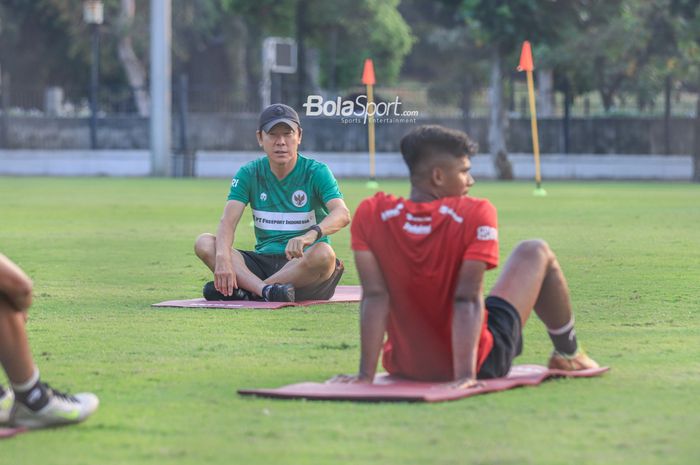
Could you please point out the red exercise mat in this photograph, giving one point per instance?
(6, 432)
(342, 294)
(388, 388)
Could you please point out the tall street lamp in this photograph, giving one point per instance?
(93, 15)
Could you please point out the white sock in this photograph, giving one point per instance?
(27, 385)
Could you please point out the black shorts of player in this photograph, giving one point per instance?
(264, 265)
(504, 323)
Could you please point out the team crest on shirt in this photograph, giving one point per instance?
(299, 198)
(263, 197)
(486, 233)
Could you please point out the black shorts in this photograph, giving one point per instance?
(504, 323)
(265, 265)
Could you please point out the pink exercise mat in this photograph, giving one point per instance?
(387, 388)
(342, 294)
(7, 432)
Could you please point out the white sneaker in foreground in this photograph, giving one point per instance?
(62, 409)
(6, 401)
(578, 361)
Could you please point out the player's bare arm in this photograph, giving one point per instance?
(374, 312)
(338, 217)
(15, 285)
(467, 320)
(224, 274)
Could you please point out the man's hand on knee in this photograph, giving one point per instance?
(225, 277)
(296, 245)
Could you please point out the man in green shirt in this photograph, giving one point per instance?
(296, 204)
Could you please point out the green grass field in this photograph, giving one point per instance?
(102, 250)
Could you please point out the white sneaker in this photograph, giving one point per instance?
(6, 401)
(576, 362)
(62, 409)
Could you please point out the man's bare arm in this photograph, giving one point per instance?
(15, 285)
(338, 217)
(467, 320)
(374, 312)
(224, 275)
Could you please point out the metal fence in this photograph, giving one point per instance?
(18, 99)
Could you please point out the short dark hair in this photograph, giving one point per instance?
(424, 142)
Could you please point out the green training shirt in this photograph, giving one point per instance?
(287, 208)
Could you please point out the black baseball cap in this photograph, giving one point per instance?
(278, 113)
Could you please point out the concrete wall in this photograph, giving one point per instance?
(554, 166)
(237, 132)
(343, 165)
(75, 163)
(27, 132)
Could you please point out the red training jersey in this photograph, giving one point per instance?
(420, 248)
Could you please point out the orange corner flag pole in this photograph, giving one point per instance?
(526, 64)
(369, 81)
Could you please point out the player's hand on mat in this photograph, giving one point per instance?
(465, 383)
(296, 245)
(348, 379)
(224, 277)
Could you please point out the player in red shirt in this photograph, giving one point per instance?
(28, 402)
(421, 263)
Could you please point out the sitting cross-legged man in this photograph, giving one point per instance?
(296, 204)
(421, 263)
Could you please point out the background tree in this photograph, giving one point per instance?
(445, 57)
(501, 26)
(687, 26)
(345, 33)
(133, 67)
(47, 44)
